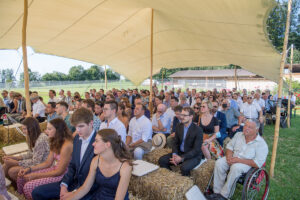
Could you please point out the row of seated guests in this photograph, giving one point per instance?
(93, 165)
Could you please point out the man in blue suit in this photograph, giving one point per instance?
(222, 122)
(78, 169)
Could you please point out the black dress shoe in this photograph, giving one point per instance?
(212, 196)
(220, 197)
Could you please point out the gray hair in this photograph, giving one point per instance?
(255, 121)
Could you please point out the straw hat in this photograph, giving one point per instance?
(159, 140)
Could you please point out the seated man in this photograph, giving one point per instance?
(246, 149)
(161, 121)
(62, 111)
(187, 145)
(140, 133)
(38, 108)
(50, 111)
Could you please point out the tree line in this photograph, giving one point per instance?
(76, 73)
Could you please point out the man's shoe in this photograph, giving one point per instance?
(212, 196)
(220, 197)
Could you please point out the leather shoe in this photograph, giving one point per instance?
(212, 196)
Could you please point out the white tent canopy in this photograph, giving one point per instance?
(117, 33)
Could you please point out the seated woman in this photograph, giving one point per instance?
(54, 168)
(3, 191)
(210, 127)
(38, 149)
(110, 169)
(122, 115)
(126, 103)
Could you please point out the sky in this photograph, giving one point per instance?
(37, 62)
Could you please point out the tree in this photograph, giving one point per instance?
(94, 73)
(7, 75)
(33, 76)
(76, 73)
(55, 76)
(112, 75)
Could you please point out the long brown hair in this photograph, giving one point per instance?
(119, 148)
(33, 131)
(61, 135)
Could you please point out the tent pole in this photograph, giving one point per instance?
(25, 63)
(162, 79)
(235, 77)
(105, 77)
(276, 133)
(151, 64)
(290, 88)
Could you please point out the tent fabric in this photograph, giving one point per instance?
(117, 33)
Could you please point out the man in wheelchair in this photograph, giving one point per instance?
(246, 149)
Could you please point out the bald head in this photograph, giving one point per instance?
(161, 108)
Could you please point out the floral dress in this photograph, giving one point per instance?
(26, 188)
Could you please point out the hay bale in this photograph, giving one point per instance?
(43, 126)
(12, 190)
(202, 175)
(225, 142)
(1, 155)
(132, 197)
(11, 135)
(161, 184)
(154, 155)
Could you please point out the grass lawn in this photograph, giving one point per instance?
(286, 182)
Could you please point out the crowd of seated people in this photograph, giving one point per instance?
(96, 137)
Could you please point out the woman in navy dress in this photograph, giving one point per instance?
(110, 169)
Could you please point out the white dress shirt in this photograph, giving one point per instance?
(56, 100)
(117, 125)
(250, 111)
(38, 108)
(140, 128)
(85, 144)
(256, 150)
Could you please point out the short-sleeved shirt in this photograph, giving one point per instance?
(166, 121)
(231, 116)
(256, 150)
(250, 111)
(210, 128)
(140, 128)
(38, 108)
(67, 120)
(260, 102)
(117, 125)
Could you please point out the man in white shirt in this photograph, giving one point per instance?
(246, 149)
(52, 96)
(259, 101)
(38, 108)
(140, 133)
(110, 110)
(173, 103)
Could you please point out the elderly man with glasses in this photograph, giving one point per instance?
(252, 110)
(246, 149)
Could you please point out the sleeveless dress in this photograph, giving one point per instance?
(107, 185)
(26, 188)
(215, 148)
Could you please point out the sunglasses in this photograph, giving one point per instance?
(249, 97)
(196, 108)
(215, 106)
(202, 106)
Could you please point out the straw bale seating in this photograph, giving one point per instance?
(9, 134)
(154, 155)
(200, 175)
(161, 184)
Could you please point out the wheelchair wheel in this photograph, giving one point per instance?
(256, 185)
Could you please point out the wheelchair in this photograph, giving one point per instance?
(256, 184)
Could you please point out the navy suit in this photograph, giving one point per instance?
(223, 126)
(76, 175)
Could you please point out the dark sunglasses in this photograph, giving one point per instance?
(249, 97)
(196, 108)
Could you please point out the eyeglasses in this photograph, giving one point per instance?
(249, 97)
(202, 106)
(215, 106)
(196, 108)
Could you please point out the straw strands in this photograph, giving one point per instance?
(202, 175)
(154, 155)
(161, 184)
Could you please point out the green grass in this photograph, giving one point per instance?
(286, 182)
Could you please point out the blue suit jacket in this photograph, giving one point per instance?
(223, 125)
(77, 172)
